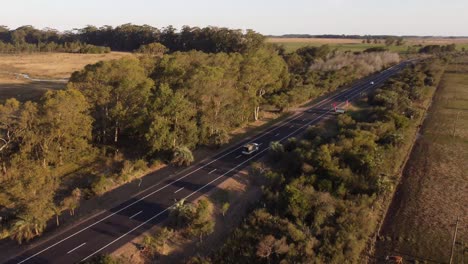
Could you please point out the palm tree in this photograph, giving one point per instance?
(23, 229)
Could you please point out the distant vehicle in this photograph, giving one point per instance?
(340, 110)
(372, 83)
(250, 148)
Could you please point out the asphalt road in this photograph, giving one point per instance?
(117, 226)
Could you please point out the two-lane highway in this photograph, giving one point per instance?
(109, 231)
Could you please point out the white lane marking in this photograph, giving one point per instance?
(260, 144)
(304, 120)
(135, 214)
(179, 190)
(76, 248)
(238, 156)
(285, 122)
(277, 134)
(212, 171)
(291, 126)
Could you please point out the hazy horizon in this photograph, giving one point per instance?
(361, 17)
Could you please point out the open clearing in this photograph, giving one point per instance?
(292, 44)
(434, 190)
(42, 66)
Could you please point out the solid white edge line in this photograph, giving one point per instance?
(76, 248)
(135, 215)
(341, 93)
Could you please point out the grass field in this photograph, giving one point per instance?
(421, 220)
(292, 44)
(42, 66)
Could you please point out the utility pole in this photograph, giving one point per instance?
(454, 240)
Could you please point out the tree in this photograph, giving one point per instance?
(182, 156)
(263, 72)
(265, 247)
(389, 41)
(171, 120)
(67, 123)
(157, 243)
(154, 49)
(118, 93)
(23, 229)
(202, 223)
(9, 128)
(71, 202)
(103, 259)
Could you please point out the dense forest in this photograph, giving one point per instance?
(321, 193)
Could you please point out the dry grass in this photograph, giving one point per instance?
(436, 41)
(292, 44)
(42, 66)
(434, 191)
(52, 65)
(315, 40)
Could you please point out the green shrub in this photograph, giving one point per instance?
(100, 185)
(182, 156)
(140, 165)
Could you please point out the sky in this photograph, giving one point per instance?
(274, 17)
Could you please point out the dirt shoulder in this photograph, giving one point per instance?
(434, 188)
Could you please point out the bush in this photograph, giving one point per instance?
(100, 185)
(140, 165)
(182, 156)
(103, 259)
(153, 49)
(276, 151)
(376, 49)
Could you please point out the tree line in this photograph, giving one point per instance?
(435, 49)
(156, 106)
(319, 193)
(129, 37)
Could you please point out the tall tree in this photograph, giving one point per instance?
(262, 73)
(118, 92)
(172, 120)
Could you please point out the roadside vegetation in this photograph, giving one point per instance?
(421, 221)
(407, 45)
(119, 119)
(322, 194)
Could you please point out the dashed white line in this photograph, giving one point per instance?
(238, 156)
(76, 248)
(277, 134)
(212, 171)
(135, 214)
(179, 190)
